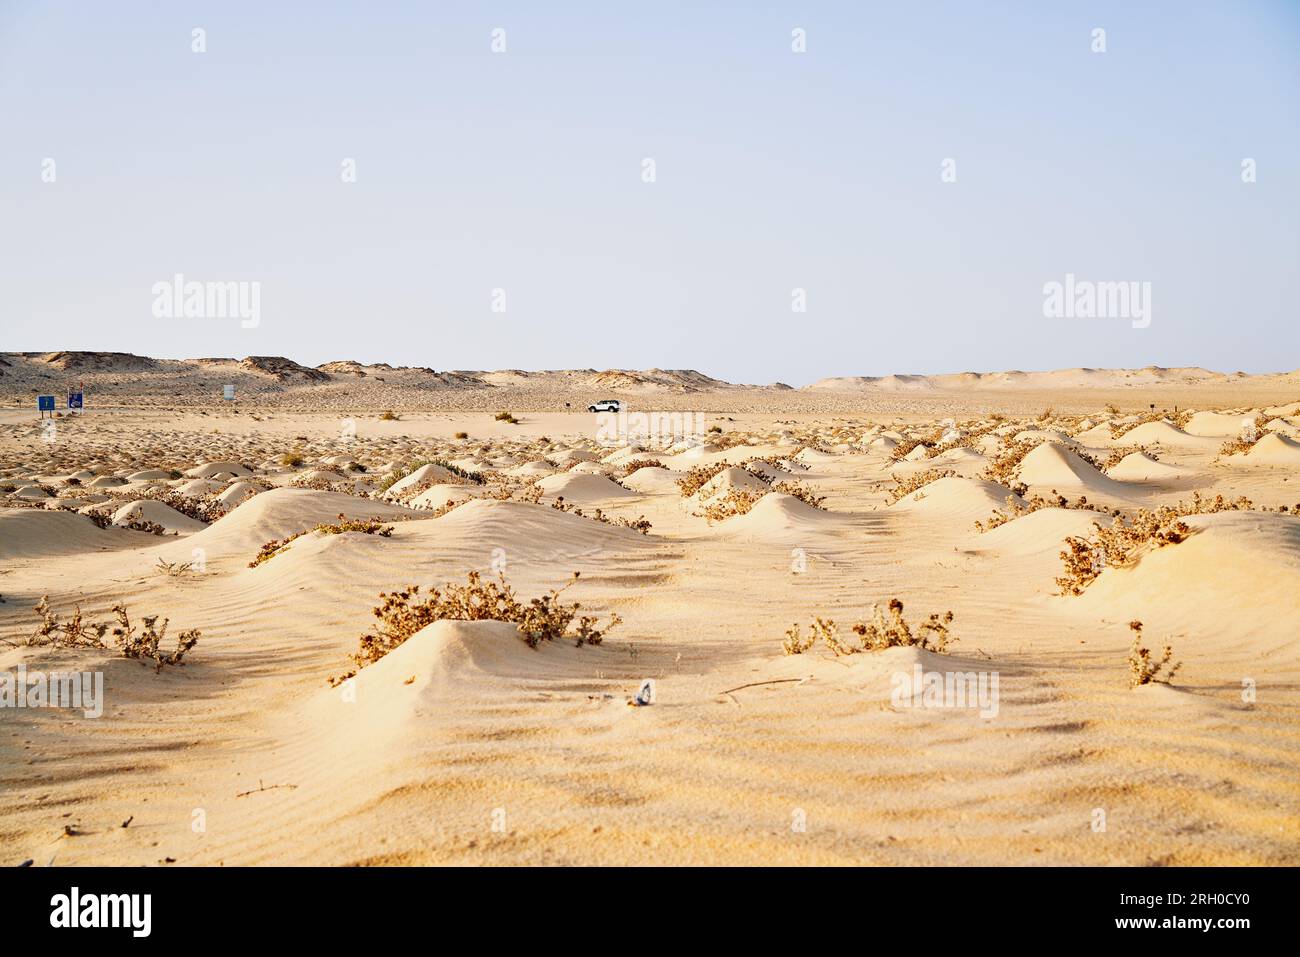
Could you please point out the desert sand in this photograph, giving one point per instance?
(466, 746)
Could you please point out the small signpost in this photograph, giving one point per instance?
(45, 403)
(76, 400)
(228, 393)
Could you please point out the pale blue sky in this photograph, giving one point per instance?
(775, 170)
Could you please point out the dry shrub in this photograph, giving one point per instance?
(1145, 670)
(460, 476)
(801, 492)
(367, 526)
(1119, 546)
(1176, 419)
(1016, 510)
(389, 416)
(877, 634)
(1237, 446)
(506, 417)
(1119, 453)
(906, 485)
(401, 614)
(737, 501)
(905, 448)
(292, 459)
(698, 476)
(642, 464)
(76, 632)
(1007, 459)
(640, 524)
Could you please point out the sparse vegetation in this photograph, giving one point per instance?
(75, 632)
(366, 526)
(881, 631)
(905, 485)
(506, 417)
(1145, 670)
(1015, 510)
(640, 524)
(403, 613)
(1119, 546)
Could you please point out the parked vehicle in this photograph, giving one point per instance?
(605, 405)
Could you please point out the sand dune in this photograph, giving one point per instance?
(1051, 466)
(463, 724)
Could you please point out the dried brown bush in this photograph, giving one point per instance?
(906, 485)
(1007, 459)
(367, 526)
(1145, 670)
(640, 524)
(876, 634)
(401, 614)
(1121, 545)
(1015, 510)
(76, 632)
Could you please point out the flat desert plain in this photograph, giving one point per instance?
(1024, 523)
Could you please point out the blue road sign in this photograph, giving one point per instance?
(76, 400)
(45, 403)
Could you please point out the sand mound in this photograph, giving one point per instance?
(1216, 575)
(1273, 449)
(436, 496)
(652, 479)
(320, 475)
(156, 513)
(574, 455)
(30, 533)
(453, 658)
(581, 489)
(282, 512)
(1041, 532)
(777, 514)
(215, 469)
(1052, 466)
(197, 488)
(956, 497)
(425, 475)
(1140, 467)
(1216, 424)
(728, 479)
(535, 467)
(237, 493)
(1162, 433)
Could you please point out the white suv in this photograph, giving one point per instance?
(605, 405)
